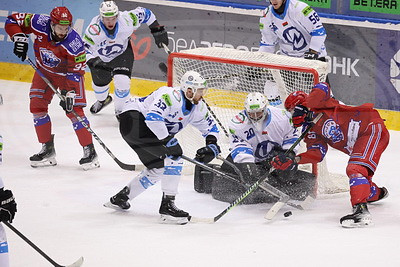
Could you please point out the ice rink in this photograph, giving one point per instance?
(60, 209)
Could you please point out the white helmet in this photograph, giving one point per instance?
(194, 81)
(108, 9)
(255, 105)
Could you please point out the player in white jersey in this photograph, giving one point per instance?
(148, 125)
(8, 208)
(298, 31)
(109, 51)
(295, 27)
(259, 137)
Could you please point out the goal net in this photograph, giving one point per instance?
(232, 74)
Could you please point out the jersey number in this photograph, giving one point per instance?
(314, 18)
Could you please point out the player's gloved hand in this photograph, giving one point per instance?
(173, 148)
(160, 35)
(210, 151)
(20, 45)
(68, 101)
(282, 162)
(8, 207)
(301, 115)
(97, 63)
(313, 55)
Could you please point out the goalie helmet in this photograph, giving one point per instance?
(294, 99)
(194, 81)
(108, 9)
(61, 15)
(255, 105)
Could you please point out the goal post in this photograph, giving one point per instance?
(231, 74)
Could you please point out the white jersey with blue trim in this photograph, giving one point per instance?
(166, 114)
(296, 30)
(251, 145)
(99, 43)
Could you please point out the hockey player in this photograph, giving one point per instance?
(259, 137)
(61, 57)
(8, 208)
(109, 51)
(295, 27)
(148, 125)
(358, 131)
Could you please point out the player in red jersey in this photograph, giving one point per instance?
(358, 131)
(60, 56)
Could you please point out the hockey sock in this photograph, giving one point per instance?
(144, 180)
(101, 92)
(84, 137)
(42, 127)
(359, 190)
(122, 87)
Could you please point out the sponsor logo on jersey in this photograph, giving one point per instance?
(307, 10)
(80, 58)
(42, 20)
(94, 29)
(177, 95)
(134, 19)
(232, 131)
(332, 131)
(88, 39)
(49, 59)
(261, 26)
(167, 99)
(27, 20)
(239, 118)
(75, 44)
(293, 36)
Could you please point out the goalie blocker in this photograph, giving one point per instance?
(297, 184)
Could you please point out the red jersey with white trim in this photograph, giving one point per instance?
(339, 127)
(65, 59)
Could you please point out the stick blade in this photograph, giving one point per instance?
(78, 263)
(201, 220)
(274, 210)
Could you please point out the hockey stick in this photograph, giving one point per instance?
(121, 164)
(253, 187)
(77, 263)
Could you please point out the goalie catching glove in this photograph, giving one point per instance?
(209, 152)
(172, 147)
(8, 207)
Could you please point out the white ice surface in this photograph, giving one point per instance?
(60, 209)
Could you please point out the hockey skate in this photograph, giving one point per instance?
(99, 105)
(170, 214)
(46, 156)
(384, 193)
(359, 218)
(120, 201)
(90, 159)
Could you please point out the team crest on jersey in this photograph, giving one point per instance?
(295, 37)
(110, 50)
(49, 59)
(332, 131)
(94, 29)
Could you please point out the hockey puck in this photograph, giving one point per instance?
(287, 214)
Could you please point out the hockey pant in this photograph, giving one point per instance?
(4, 258)
(169, 176)
(363, 162)
(119, 69)
(40, 98)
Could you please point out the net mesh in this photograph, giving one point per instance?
(232, 74)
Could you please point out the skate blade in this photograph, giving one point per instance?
(112, 206)
(363, 223)
(90, 166)
(167, 219)
(44, 163)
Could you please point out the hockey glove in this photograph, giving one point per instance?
(8, 207)
(160, 35)
(68, 100)
(311, 55)
(20, 45)
(97, 63)
(301, 115)
(210, 151)
(173, 149)
(283, 163)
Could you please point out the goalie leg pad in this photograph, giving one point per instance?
(203, 179)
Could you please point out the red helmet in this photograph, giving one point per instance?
(61, 15)
(294, 99)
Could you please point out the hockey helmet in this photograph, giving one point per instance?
(108, 9)
(194, 81)
(255, 105)
(294, 99)
(61, 15)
